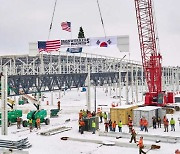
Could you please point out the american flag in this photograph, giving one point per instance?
(66, 26)
(49, 46)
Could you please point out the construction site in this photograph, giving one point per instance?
(89, 95)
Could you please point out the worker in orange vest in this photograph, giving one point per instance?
(129, 118)
(164, 121)
(89, 115)
(82, 124)
(38, 121)
(141, 145)
(166, 125)
(145, 125)
(80, 114)
(133, 136)
(141, 123)
(114, 126)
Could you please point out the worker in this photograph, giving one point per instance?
(141, 145)
(114, 126)
(106, 126)
(154, 122)
(80, 114)
(93, 114)
(38, 121)
(166, 125)
(129, 118)
(164, 121)
(58, 104)
(100, 116)
(84, 113)
(30, 121)
(110, 125)
(93, 126)
(145, 125)
(130, 125)
(89, 115)
(79, 125)
(141, 124)
(159, 122)
(172, 123)
(18, 122)
(82, 125)
(133, 136)
(120, 126)
(177, 151)
(105, 117)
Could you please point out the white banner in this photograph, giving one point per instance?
(123, 43)
(33, 49)
(75, 42)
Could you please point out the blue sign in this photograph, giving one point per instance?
(74, 50)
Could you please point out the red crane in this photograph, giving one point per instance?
(151, 58)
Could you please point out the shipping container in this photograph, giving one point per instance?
(122, 113)
(147, 112)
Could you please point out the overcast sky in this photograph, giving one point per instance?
(24, 21)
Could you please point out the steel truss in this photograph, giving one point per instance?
(53, 72)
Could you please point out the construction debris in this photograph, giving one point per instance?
(15, 144)
(107, 143)
(55, 131)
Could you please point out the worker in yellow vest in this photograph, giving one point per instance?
(120, 126)
(93, 126)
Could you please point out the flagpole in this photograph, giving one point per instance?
(71, 35)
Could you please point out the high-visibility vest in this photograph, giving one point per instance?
(113, 125)
(140, 143)
(93, 125)
(172, 122)
(30, 121)
(105, 116)
(120, 124)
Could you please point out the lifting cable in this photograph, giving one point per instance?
(101, 19)
(52, 19)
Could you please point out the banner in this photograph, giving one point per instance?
(75, 42)
(123, 43)
(103, 41)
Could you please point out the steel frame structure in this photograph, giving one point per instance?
(56, 71)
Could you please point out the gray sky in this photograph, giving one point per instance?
(24, 21)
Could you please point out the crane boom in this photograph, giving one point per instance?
(151, 58)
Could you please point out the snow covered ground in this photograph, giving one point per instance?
(71, 102)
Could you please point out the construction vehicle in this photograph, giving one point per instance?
(12, 114)
(34, 114)
(151, 57)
